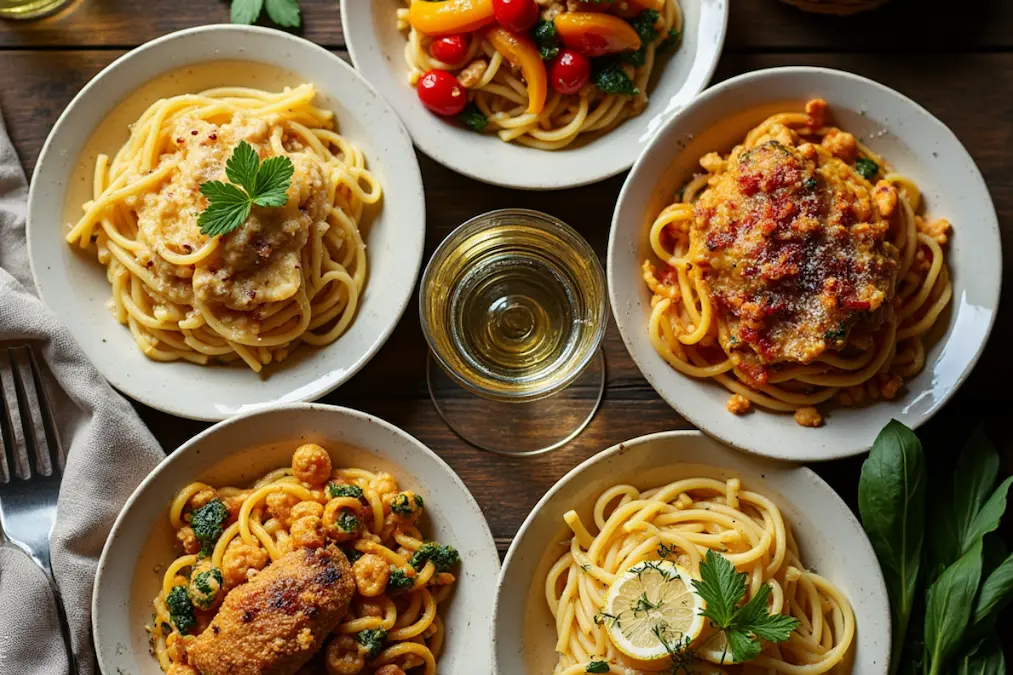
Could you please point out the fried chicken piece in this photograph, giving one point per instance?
(276, 622)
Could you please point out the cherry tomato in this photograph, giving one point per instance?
(569, 71)
(516, 15)
(450, 48)
(442, 93)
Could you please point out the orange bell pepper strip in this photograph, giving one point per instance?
(640, 5)
(593, 34)
(450, 17)
(520, 50)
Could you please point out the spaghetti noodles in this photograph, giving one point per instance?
(288, 275)
(400, 578)
(797, 270)
(681, 522)
(508, 83)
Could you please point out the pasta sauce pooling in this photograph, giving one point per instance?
(794, 255)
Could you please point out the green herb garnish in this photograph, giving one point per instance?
(399, 579)
(547, 38)
(180, 609)
(252, 182)
(722, 588)
(645, 24)
(347, 522)
(335, 490)
(866, 168)
(671, 41)
(282, 12)
(373, 640)
(597, 667)
(610, 78)
(473, 118)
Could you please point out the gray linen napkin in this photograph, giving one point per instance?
(109, 451)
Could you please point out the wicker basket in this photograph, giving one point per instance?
(836, 6)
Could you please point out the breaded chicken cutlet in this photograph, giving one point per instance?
(276, 622)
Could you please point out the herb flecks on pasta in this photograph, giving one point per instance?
(763, 607)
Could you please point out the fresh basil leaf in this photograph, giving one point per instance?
(984, 658)
(272, 182)
(973, 480)
(245, 11)
(242, 165)
(996, 592)
(891, 502)
(990, 514)
(948, 605)
(284, 12)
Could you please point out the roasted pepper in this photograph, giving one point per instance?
(520, 50)
(594, 34)
(450, 16)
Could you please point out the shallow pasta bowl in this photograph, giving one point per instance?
(241, 450)
(916, 144)
(830, 539)
(377, 48)
(75, 286)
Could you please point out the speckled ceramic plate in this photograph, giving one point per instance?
(239, 451)
(830, 539)
(74, 284)
(377, 49)
(916, 144)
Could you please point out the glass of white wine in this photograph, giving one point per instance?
(29, 9)
(513, 307)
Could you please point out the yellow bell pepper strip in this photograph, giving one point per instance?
(450, 16)
(520, 50)
(594, 34)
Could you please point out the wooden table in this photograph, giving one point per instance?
(958, 64)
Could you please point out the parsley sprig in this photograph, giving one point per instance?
(252, 182)
(283, 12)
(722, 588)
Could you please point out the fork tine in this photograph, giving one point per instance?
(56, 454)
(17, 454)
(31, 412)
(7, 463)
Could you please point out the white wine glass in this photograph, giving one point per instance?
(513, 306)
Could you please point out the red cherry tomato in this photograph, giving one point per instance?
(569, 71)
(450, 48)
(516, 15)
(442, 93)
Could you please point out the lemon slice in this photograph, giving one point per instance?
(714, 648)
(650, 605)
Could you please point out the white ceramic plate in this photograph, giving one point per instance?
(831, 541)
(75, 285)
(242, 449)
(916, 144)
(377, 49)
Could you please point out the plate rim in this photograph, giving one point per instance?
(426, 144)
(720, 89)
(417, 191)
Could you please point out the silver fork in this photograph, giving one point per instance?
(31, 467)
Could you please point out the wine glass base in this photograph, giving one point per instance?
(518, 429)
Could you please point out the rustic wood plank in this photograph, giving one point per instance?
(901, 25)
